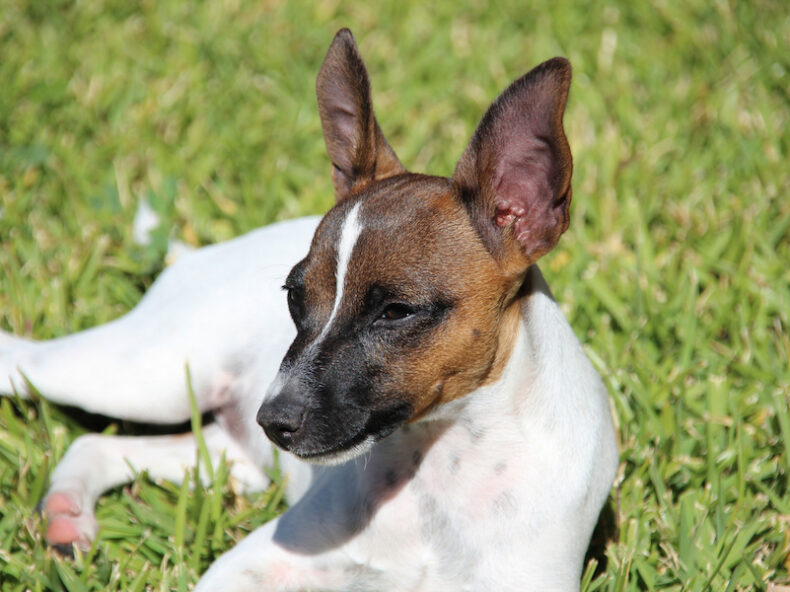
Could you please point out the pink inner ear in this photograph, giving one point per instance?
(518, 164)
(345, 121)
(507, 213)
(524, 199)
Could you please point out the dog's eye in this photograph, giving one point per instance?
(395, 312)
(295, 302)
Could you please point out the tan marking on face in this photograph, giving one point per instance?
(424, 246)
(478, 360)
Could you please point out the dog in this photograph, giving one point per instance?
(459, 437)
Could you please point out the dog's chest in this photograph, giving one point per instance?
(465, 480)
(459, 504)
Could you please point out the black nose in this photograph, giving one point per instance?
(281, 420)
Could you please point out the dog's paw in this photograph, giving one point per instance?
(68, 523)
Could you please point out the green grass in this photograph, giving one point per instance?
(674, 272)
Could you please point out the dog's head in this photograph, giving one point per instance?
(406, 299)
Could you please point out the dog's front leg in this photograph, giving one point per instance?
(354, 529)
(95, 463)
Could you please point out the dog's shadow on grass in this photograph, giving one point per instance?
(605, 532)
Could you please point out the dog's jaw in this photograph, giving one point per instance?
(338, 458)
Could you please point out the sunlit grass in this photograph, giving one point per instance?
(674, 272)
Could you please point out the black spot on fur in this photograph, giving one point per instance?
(455, 553)
(390, 478)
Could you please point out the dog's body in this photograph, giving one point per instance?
(426, 340)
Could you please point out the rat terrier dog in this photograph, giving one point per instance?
(426, 340)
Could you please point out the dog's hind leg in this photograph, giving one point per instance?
(94, 463)
(218, 310)
(133, 368)
(119, 369)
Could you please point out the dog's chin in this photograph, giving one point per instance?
(338, 457)
(351, 449)
(373, 428)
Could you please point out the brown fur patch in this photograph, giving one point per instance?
(425, 251)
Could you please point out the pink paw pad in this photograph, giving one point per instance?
(60, 503)
(61, 530)
(67, 523)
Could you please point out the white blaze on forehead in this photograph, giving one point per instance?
(349, 233)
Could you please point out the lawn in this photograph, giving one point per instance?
(674, 272)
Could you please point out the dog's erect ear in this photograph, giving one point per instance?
(356, 146)
(515, 176)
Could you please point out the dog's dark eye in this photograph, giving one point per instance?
(292, 296)
(395, 312)
(295, 298)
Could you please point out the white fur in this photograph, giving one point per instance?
(349, 235)
(505, 494)
(510, 475)
(146, 220)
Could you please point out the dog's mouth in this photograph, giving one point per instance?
(340, 455)
(313, 443)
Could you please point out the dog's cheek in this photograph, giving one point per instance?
(459, 359)
(388, 415)
(350, 382)
(371, 392)
(395, 380)
(364, 382)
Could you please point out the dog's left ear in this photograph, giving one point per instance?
(356, 146)
(515, 175)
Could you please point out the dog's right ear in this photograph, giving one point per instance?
(358, 150)
(515, 176)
